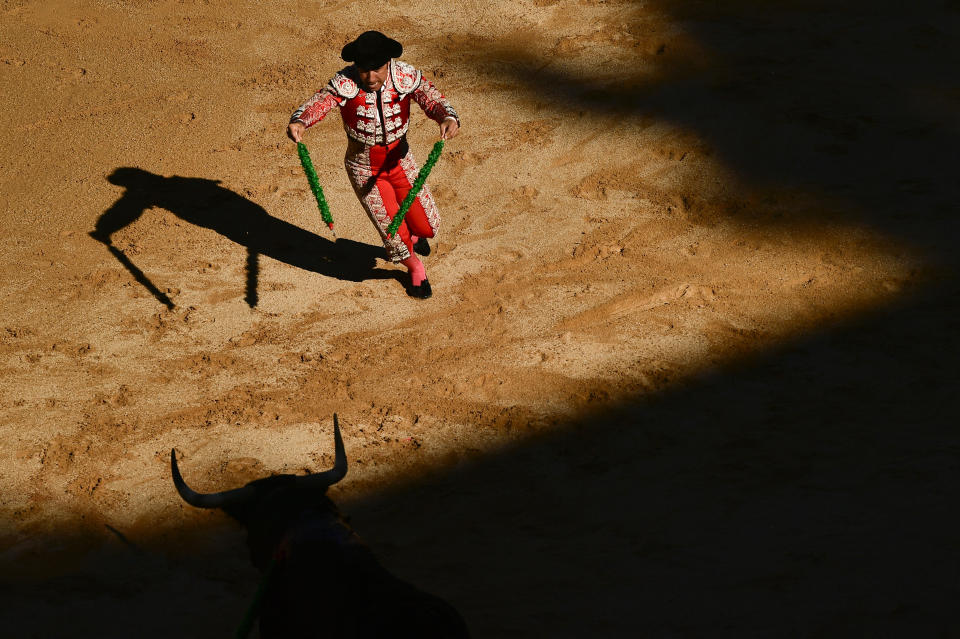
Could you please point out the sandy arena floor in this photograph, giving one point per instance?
(690, 368)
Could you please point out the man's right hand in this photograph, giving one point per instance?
(295, 131)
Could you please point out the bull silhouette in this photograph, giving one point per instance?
(321, 579)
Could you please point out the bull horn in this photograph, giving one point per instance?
(335, 474)
(206, 500)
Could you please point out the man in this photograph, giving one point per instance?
(374, 96)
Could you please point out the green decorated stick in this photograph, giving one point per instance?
(314, 183)
(415, 189)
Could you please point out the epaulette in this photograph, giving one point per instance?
(343, 85)
(406, 78)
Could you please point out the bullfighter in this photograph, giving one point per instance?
(374, 94)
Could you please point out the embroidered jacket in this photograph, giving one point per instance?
(379, 117)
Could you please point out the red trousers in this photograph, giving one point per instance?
(382, 176)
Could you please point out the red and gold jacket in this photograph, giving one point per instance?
(363, 112)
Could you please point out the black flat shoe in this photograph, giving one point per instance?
(422, 246)
(423, 291)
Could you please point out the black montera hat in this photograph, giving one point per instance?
(371, 50)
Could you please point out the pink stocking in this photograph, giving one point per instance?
(417, 272)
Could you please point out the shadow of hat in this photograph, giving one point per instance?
(131, 176)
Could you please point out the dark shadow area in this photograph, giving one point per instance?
(207, 204)
(809, 492)
(99, 581)
(856, 103)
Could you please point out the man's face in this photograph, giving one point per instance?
(373, 79)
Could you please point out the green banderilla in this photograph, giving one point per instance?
(415, 189)
(314, 183)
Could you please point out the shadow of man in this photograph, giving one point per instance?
(205, 203)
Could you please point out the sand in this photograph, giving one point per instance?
(690, 365)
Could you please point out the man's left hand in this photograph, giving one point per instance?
(449, 129)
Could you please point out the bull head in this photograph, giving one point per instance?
(269, 507)
(230, 499)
